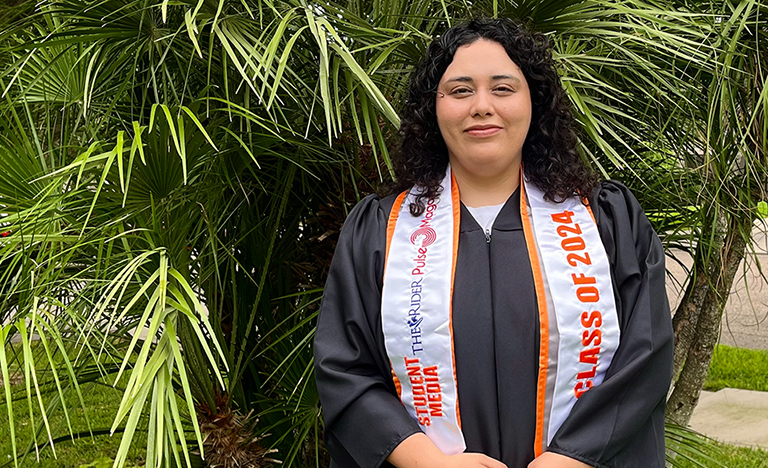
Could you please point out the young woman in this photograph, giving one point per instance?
(502, 307)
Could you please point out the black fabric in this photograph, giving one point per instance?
(619, 424)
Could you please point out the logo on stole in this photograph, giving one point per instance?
(427, 232)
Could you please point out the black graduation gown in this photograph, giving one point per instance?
(619, 424)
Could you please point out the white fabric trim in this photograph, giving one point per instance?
(579, 298)
(416, 318)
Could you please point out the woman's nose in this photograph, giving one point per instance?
(481, 104)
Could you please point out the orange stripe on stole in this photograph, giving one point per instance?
(538, 280)
(390, 232)
(456, 204)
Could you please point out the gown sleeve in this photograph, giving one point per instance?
(620, 423)
(364, 419)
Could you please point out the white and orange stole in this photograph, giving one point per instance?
(579, 328)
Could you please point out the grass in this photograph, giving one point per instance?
(90, 447)
(738, 368)
(731, 456)
(101, 402)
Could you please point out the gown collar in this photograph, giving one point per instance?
(508, 218)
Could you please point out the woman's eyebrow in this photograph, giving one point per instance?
(505, 77)
(462, 79)
(468, 79)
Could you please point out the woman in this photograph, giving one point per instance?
(486, 319)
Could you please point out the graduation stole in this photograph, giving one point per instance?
(579, 329)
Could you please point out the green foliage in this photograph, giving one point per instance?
(732, 457)
(712, 145)
(685, 447)
(762, 209)
(173, 176)
(738, 368)
(101, 403)
(104, 462)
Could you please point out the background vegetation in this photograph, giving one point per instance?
(738, 368)
(173, 176)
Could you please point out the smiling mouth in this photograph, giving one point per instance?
(483, 131)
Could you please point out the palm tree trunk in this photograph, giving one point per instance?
(698, 328)
(686, 317)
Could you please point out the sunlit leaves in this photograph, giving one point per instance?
(163, 161)
(170, 301)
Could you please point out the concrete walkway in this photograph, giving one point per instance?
(738, 417)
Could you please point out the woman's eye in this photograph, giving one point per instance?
(461, 92)
(503, 89)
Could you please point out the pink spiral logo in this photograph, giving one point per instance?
(429, 236)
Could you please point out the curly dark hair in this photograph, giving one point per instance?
(549, 152)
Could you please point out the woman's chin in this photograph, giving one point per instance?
(487, 163)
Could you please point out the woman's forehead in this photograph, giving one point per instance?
(481, 59)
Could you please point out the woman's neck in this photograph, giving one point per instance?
(477, 190)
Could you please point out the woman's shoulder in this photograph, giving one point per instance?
(621, 220)
(613, 202)
(369, 214)
(613, 194)
(361, 246)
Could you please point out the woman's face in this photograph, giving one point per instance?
(483, 109)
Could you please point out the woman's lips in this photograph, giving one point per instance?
(483, 132)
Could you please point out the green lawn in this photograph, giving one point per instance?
(738, 368)
(730, 456)
(101, 403)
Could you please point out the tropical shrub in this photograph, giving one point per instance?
(173, 176)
